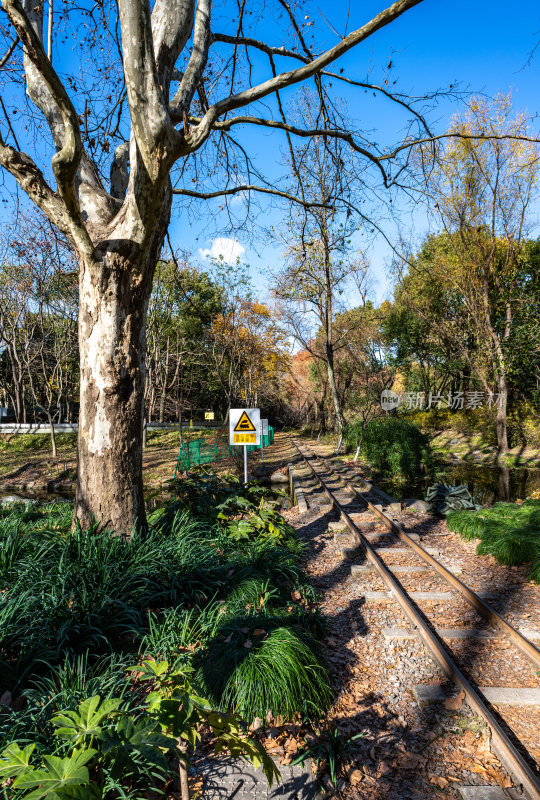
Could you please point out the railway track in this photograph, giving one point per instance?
(426, 620)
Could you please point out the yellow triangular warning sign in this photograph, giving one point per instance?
(244, 423)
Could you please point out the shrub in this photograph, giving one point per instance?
(394, 447)
(509, 531)
(264, 664)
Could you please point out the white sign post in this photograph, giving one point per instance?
(264, 432)
(245, 429)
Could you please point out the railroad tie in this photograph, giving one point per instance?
(428, 694)
(364, 569)
(444, 633)
(442, 597)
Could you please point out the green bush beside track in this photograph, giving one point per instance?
(394, 447)
(508, 531)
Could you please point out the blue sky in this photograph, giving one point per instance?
(479, 45)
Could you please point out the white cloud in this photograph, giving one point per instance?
(230, 249)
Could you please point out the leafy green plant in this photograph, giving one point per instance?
(176, 630)
(100, 735)
(109, 747)
(264, 524)
(180, 711)
(260, 664)
(55, 778)
(75, 607)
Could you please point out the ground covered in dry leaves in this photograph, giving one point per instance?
(405, 751)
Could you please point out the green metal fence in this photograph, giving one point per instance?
(195, 452)
(266, 440)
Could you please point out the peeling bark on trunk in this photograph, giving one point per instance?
(113, 306)
(112, 350)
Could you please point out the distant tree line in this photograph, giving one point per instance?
(211, 345)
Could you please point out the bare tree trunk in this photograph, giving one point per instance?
(53, 436)
(333, 391)
(502, 427)
(164, 387)
(504, 484)
(182, 771)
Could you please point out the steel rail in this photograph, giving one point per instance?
(509, 755)
(483, 608)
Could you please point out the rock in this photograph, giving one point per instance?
(256, 724)
(413, 504)
(6, 699)
(454, 442)
(279, 477)
(394, 508)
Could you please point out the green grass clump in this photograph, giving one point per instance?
(264, 664)
(468, 524)
(509, 531)
(394, 447)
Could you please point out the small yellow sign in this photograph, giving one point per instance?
(209, 415)
(245, 424)
(245, 438)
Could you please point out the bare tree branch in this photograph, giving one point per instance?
(65, 162)
(251, 188)
(172, 23)
(149, 116)
(281, 51)
(31, 180)
(334, 133)
(197, 60)
(457, 135)
(9, 52)
(292, 77)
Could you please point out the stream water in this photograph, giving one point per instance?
(487, 484)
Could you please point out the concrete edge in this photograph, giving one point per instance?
(297, 491)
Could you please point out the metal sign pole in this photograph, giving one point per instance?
(262, 442)
(245, 464)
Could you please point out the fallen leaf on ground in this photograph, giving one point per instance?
(437, 780)
(454, 703)
(356, 776)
